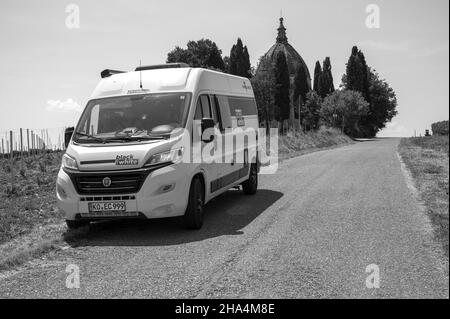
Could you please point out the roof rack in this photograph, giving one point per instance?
(107, 73)
(162, 66)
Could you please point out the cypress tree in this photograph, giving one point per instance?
(235, 54)
(300, 84)
(317, 74)
(326, 85)
(365, 76)
(282, 84)
(240, 60)
(246, 66)
(357, 76)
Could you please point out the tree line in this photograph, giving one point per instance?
(440, 128)
(205, 53)
(362, 105)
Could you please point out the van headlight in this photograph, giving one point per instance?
(172, 156)
(69, 162)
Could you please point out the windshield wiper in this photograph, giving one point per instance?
(134, 138)
(91, 137)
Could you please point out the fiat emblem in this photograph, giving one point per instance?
(106, 182)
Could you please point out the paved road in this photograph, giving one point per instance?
(310, 232)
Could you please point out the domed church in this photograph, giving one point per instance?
(294, 60)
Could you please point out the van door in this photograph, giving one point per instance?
(204, 110)
(230, 169)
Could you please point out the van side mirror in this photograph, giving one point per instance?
(68, 135)
(207, 123)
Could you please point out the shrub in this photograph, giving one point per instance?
(23, 171)
(7, 167)
(42, 166)
(11, 190)
(39, 180)
(440, 128)
(345, 109)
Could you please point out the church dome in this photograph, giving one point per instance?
(294, 60)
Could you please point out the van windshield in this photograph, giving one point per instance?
(130, 118)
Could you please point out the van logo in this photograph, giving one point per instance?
(123, 160)
(246, 87)
(106, 182)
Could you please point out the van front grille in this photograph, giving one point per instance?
(117, 182)
(120, 184)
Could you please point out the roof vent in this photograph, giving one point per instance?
(162, 66)
(107, 73)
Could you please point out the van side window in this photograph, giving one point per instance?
(206, 112)
(214, 111)
(198, 111)
(224, 109)
(246, 106)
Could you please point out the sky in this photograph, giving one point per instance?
(48, 69)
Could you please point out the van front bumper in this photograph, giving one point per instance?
(164, 193)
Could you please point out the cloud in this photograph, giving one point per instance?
(406, 47)
(429, 52)
(385, 46)
(63, 106)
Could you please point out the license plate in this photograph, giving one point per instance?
(107, 207)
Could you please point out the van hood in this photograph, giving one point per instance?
(108, 157)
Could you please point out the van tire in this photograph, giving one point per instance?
(193, 217)
(75, 224)
(250, 186)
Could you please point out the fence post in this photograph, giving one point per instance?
(6, 143)
(43, 141)
(32, 142)
(3, 149)
(11, 159)
(28, 141)
(21, 143)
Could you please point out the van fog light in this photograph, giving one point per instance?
(166, 188)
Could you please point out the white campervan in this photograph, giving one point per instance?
(157, 142)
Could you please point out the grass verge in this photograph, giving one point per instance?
(296, 143)
(38, 242)
(427, 159)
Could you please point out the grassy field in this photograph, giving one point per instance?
(427, 160)
(30, 202)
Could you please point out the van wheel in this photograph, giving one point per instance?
(193, 218)
(75, 224)
(250, 186)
